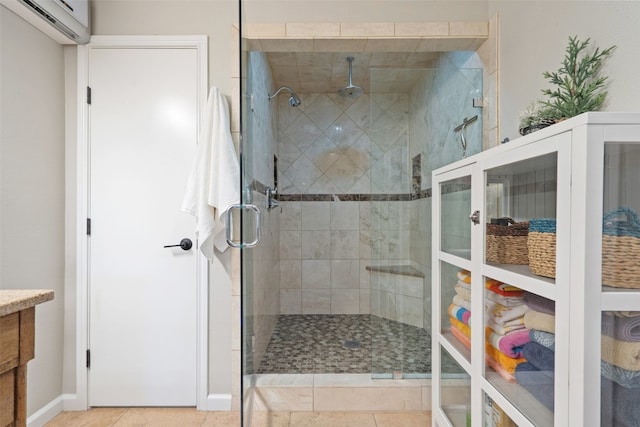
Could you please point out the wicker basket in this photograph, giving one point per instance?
(621, 249)
(507, 244)
(542, 246)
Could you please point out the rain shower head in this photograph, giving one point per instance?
(350, 91)
(294, 99)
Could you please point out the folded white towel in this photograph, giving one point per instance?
(214, 181)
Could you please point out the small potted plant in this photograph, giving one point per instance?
(578, 83)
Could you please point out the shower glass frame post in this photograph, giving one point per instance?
(247, 372)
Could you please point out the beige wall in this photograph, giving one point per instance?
(533, 37)
(174, 17)
(32, 189)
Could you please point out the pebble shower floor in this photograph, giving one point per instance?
(349, 343)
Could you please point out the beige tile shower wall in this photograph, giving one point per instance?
(332, 145)
(489, 57)
(321, 270)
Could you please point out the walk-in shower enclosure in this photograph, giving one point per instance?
(340, 281)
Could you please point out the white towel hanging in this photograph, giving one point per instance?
(214, 181)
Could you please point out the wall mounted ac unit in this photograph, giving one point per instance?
(66, 21)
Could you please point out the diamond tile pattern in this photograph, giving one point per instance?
(332, 144)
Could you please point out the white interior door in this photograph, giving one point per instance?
(142, 311)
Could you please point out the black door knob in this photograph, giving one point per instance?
(185, 244)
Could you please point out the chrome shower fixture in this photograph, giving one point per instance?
(350, 91)
(294, 99)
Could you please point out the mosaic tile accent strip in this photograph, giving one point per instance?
(371, 197)
(304, 344)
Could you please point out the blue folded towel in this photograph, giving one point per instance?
(546, 339)
(624, 377)
(539, 356)
(620, 406)
(536, 382)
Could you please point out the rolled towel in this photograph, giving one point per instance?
(464, 275)
(621, 327)
(543, 338)
(502, 314)
(625, 313)
(462, 314)
(624, 354)
(620, 406)
(510, 344)
(461, 302)
(502, 286)
(503, 329)
(625, 378)
(465, 329)
(464, 284)
(538, 303)
(538, 383)
(541, 321)
(463, 292)
(503, 300)
(461, 336)
(504, 290)
(539, 356)
(508, 377)
(508, 363)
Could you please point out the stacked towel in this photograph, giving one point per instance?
(620, 369)
(537, 375)
(505, 332)
(621, 327)
(538, 383)
(460, 309)
(546, 339)
(619, 405)
(510, 344)
(460, 313)
(538, 303)
(540, 321)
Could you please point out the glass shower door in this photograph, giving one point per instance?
(259, 222)
(416, 117)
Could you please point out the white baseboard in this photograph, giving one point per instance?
(73, 402)
(218, 402)
(46, 413)
(70, 402)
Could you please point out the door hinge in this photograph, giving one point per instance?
(88, 358)
(88, 95)
(88, 226)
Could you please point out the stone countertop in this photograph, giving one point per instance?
(12, 300)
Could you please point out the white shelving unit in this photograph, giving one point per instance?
(574, 172)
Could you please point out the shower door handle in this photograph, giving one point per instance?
(229, 227)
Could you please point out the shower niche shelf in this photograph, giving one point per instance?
(517, 335)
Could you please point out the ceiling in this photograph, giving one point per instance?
(326, 72)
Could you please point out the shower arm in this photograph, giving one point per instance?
(287, 88)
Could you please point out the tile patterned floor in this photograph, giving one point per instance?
(183, 417)
(305, 344)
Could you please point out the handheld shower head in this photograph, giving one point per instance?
(294, 99)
